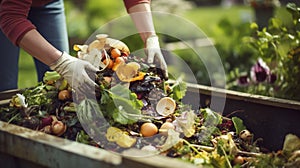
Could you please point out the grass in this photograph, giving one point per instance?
(207, 18)
(27, 72)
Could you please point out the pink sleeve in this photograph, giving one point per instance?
(13, 19)
(131, 3)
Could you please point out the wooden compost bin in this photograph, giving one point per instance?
(25, 148)
(268, 118)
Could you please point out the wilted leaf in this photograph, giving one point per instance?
(291, 144)
(186, 122)
(114, 134)
(126, 141)
(179, 90)
(173, 139)
(128, 107)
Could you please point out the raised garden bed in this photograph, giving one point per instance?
(268, 118)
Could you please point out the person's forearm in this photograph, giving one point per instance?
(34, 44)
(142, 18)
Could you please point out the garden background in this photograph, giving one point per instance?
(228, 23)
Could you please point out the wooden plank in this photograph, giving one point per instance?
(51, 151)
(9, 161)
(230, 94)
(8, 94)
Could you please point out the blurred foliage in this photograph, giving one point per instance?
(77, 22)
(171, 6)
(85, 17)
(196, 66)
(228, 43)
(224, 26)
(27, 76)
(206, 2)
(100, 13)
(279, 46)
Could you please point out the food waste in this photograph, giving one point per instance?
(135, 107)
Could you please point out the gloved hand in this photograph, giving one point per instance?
(80, 74)
(154, 54)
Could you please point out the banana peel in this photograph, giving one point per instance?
(120, 137)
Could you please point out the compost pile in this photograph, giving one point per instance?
(135, 107)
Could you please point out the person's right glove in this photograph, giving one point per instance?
(80, 74)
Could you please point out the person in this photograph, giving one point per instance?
(39, 28)
(20, 17)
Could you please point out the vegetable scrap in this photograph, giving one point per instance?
(136, 108)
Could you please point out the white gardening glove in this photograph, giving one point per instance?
(154, 54)
(76, 72)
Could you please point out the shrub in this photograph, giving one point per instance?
(278, 46)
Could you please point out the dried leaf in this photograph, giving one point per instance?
(172, 139)
(186, 123)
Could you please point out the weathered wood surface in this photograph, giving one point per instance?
(235, 95)
(267, 117)
(36, 149)
(6, 95)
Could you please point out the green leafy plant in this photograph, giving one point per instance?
(278, 46)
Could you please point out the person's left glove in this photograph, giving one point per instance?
(154, 54)
(80, 74)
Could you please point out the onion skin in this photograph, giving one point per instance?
(64, 95)
(238, 160)
(165, 127)
(46, 121)
(58, 128)
(246, 135)
(47, 129)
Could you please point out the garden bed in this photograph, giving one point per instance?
(25, 148)
(268, 118)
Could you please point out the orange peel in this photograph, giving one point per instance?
(129, 72)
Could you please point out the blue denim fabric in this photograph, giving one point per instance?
(50, 22)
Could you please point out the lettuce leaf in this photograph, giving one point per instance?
(127, 107)
(179, 90)
(238, 124)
